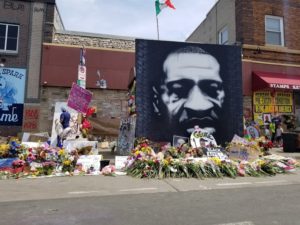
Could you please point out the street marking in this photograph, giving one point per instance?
(204, 187)
(139, 189)
(82, 192)
(233, 184)
(271, 181)
(238, 223)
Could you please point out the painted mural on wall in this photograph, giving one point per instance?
(12, 92)
(181, 85)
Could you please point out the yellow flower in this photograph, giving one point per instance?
(4, 147)
(61, 152)
(261, 162)
(165, 162)
(136, 153)
(216, 160)
(67, 162)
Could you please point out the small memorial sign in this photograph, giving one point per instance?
(79, 98)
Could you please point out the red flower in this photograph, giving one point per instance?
(144, 145)
(90, 111)
(86, 124)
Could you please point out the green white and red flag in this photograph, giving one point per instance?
(160, 6)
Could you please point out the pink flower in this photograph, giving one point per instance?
(109, 170)
(241, 172)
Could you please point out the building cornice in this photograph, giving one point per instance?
(88, 47)
(271, 48)
(270, 63)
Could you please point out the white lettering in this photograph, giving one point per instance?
(12, 73)
(282, 86)
(14, 116)
(5, 117)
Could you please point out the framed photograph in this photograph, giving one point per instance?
(267, 118)
(179, 140)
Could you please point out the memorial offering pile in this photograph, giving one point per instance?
(20, 161)
(240, 158)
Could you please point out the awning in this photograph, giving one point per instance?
(267, 80)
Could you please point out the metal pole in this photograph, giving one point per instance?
(157, 27)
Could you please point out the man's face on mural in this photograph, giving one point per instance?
(192, 91)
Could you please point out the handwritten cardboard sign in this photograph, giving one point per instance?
(240, 152)
(120, 162)
(31, 118)
(79, 98)
(88, 161)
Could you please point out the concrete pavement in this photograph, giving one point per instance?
(279, 151)
(87, 186)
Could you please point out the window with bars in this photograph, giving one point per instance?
(274, 30)
(9, 36)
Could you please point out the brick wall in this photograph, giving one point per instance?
(250, 17)
(94, 40)
(49, 23)
(109, 103)
(17, 13)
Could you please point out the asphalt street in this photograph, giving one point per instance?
(128, 201)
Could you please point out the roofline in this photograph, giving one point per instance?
(217, 1)
(42, 1)
(88, 47)
(87, 34)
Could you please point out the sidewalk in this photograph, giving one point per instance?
(279, 151)
(107, 154)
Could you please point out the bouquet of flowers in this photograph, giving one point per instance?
(175, 162)
(86, 124)
(47, 168)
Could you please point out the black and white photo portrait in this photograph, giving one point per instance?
(183, 85)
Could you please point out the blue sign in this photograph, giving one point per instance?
(12, 93)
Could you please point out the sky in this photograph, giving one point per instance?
(134, 18)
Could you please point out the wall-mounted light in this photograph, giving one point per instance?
(101, 82)
(2, 62)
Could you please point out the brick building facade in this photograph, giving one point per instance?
(24, 26)
(49, 57)
(268, 33)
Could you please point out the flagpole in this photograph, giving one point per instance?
(157, 27)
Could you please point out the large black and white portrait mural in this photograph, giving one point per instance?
(183, 85)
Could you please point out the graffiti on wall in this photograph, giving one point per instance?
(13, 5)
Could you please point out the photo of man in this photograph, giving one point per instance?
(183, 85)
(191, 77)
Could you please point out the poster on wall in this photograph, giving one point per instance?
(181, 85)
(12, 92)
(73, 121)
(276, 102)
